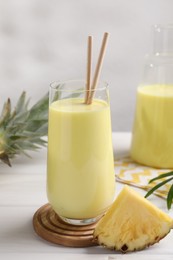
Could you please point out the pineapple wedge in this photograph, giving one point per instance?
(132, 223)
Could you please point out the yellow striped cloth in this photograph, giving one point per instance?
(129, 172)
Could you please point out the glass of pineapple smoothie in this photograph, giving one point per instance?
(80, 168)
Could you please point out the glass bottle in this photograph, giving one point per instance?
(152, 137)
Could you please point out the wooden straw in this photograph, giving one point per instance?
(98, 67)
(88, 79)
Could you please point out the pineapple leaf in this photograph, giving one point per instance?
(157, 186)
(22, 151)
(40, 109)
(18, 122)
(4, 157)
(23, 128)
(162, 176)
(21, 104)
(170, 193)
(35, 125)
(73, 95)
(170, 197)
(5, 112)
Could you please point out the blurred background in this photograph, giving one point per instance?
(45, 40)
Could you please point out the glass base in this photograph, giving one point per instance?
(80, 222)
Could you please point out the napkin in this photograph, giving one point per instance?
(129, 172)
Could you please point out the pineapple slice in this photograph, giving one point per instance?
(132, 223)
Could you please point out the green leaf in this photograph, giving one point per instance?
(21, 106)
(18, 119)
(73, 95)
(35, 125)
(4, 157)
(5, 113)
(162, 176)
(40, 109)
(170, 197)
(56, 96)
(43, 130)
(21, 151)
(157, 186)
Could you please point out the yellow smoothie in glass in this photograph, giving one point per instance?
(152, 140)
(80, 159)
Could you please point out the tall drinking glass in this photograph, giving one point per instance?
(80, 171)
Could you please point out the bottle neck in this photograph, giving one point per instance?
(163, 39)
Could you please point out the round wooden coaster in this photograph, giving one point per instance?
(50, 227)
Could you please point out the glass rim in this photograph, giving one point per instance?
(101, 85)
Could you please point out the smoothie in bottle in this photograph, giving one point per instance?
(152, 142)
(152, 137)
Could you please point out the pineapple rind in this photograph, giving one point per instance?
(132, 223)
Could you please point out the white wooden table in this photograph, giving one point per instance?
(23, 191)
